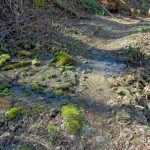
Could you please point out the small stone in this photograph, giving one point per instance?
(133, 91)
(123, 91)
(139, 107)
(87, 130)
(126, 103)
(101, 139)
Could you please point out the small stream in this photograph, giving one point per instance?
(108, 67)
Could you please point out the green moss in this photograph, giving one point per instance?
(54, 134)
(70, 68)
(3, 48)
(3, 59)
(63, 85)
(25, 53)
(23, 81)
(48, 75)
(147, 128)
(17, 65)
(36, 62)
(13, 113)
(4, 89)
(123, 116)
(64, 58)
(58, 92)
(24, 147)
(136, 141)
(4, 86)
(42, 78)
(39, 3)
(36, 86)
(147, 56)
(75, 119)
(39, 108)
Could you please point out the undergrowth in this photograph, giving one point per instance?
(95, 7)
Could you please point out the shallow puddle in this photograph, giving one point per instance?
(107, 67)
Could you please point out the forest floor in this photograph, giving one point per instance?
(108, 84)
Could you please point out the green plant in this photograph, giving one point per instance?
(64, 58)
(53, 133)
(3, 48)
(75, 120)
(39, 3)
(13, 113)
(24, 147)
(95, 7)
(58, 92)
(35, 86)
(17, 65)
(3, 59)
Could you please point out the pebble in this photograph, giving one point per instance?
(101, 139)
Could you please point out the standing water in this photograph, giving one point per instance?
(107, 67)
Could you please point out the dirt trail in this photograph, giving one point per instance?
(105, 39)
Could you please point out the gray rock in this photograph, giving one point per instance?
(148, 105)
(101, 139)
(123, 91)
(126, 103)
(88, 130)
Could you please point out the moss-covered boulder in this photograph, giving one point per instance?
(63, 85)
(4, 89)
(17, 65)
(36, 62)
(75, 120)
(64, 58)
(25, 53)
(14, 112)
(3, 59)
(58, 92)
(49, 75)
(35, 86)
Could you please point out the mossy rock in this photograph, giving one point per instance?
(58, 92)
(64, 58)
(54, 134)
(39, 108)
(49, 75)
(13, 113)
(36, 62)
(25, 53)
(4, 86)
(17, 65)
(75, 120)
(123, 91)
(23, 81)
(3, 59)
(148, 56)
(24, 147)
(4, 89)
(123, 116)
(3, 48)
(37, 87)
(63, 85)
